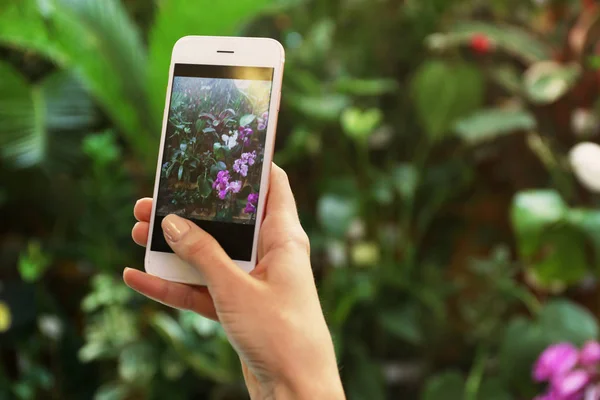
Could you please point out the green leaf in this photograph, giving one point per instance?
(101, 45)
(563, 259)
(137, 363)
(546, 82)
(405, 178)
(445, 386)
(443, 93)
(179, 340)
(102, 148)
(358, 124)
(180, 173)
(194, 17)
(510, 39)
(566, 321)
(509, 78)
(366, 87)
(489, 124)
(336, 213)
(204, 187)
(365, 378)
(217, 146)
(327, 108)
(532, 212)
(40, 122)
(34, 262)
(493, 389)
(219, 166)
(247, 119)
(404, 323)
(112, 391)
(588, 221)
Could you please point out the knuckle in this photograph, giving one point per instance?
(187, 301)
(200, 246)
(299, 240)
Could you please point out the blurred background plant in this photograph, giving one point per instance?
(442, 157)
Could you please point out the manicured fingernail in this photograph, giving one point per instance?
(174, 227)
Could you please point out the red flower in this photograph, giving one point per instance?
(480, 43)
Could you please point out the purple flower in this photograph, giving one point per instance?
(223, 186)
(251, 205)
(253, 198)
(262, 121)
(245, 133)
(556, 360)
(235, 186)
(592, 393)
(570, 385)
(250, 209)
(237, 165)
(241, 165)
(590, 354)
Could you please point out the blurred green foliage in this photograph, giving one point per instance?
(426, 142)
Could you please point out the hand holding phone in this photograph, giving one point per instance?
(272, 316)
(216, 147)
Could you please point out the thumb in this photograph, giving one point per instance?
(202, 251)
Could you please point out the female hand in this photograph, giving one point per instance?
(272, 316)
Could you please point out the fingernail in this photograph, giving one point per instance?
(174, 227)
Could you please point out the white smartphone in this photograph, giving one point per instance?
(216, 147)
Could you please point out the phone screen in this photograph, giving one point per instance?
(213, 153)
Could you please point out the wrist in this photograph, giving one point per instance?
(319, 386)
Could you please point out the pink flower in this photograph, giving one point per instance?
(547, 396)
(556, 360)
(590, 354)
(571, 385)
(593, 393)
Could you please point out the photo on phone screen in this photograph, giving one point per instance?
(213, 153)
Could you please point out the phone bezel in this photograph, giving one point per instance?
(220, 51)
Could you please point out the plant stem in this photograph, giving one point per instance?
(475, 377)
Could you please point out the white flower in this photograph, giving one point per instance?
(356, 231)
(585, 160)
(50, 326)
(336, 253)
(584, 122)
(230, 141)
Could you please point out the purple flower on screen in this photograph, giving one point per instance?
(245, 133)
(250, 208)
(223, 186)
(241, 165)
(237, 165)
(235, 186)
(263, 120)
(252, 203)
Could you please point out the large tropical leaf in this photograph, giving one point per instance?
(511, 39)
(177, 18)
(100, 44)
(40, 122)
